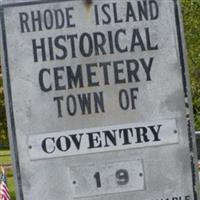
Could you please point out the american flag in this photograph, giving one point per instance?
(4, 192)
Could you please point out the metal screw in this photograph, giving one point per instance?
(74, 182)
(30, 147)
(175, 131)
(140, 174)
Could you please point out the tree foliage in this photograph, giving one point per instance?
(3, 126)
(191, 16)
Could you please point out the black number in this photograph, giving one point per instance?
(98, 179)
(122, 176)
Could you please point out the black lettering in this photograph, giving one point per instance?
(106, 11)
(137, 40)
(36, 20)
(132, 70)
(82, 44)
(75, 79)
(96, 12)
(91, 74)
(147, 67)
(155, 132)
(110, 42)
(124, 99)
(85, 103)
(105, 71)
(69, 17)
(24, 17)
(118, 71)
(43, 87)
(77, 141)
(72, 38)
(71, 105)
(99, 102)
(63, 143)
(58, 75)
(41, 47)
(60, 47)
(125, 134)
(141, 132)
(94, 140)
(117, 20)
(154, 9)
(117, 39)
(51, 49)
(111, 137)
(187, 197)
(59, 18)
(44, 145)
(48, 19)
(148, 39)
(133, 92)
(59, 109)
(142, 10)
(99, 43)
(130, 12)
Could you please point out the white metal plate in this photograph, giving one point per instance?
(103, 139)
(107, 178)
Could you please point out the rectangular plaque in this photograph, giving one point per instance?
(105, 178)
(103, 139)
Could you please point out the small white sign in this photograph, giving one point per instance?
(102, 139)
(107, 178)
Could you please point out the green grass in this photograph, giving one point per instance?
(5, 159)
(11, 187)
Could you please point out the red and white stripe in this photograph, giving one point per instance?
(4, 193)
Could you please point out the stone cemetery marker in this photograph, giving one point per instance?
(98, 101)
